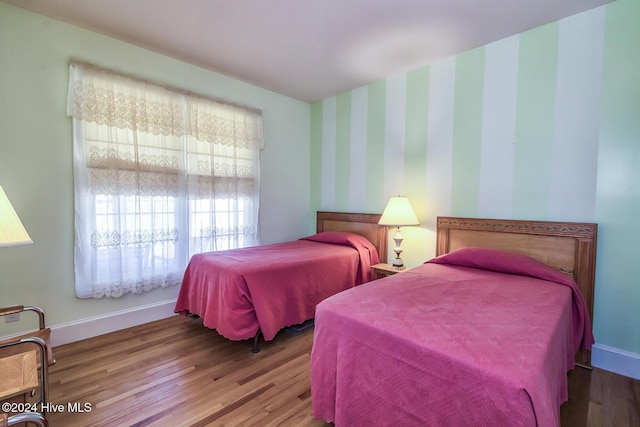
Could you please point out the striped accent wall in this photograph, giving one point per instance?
(507, 130)
(528, 127)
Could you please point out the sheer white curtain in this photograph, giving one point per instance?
(159, 175)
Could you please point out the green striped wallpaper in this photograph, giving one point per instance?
(543, 125)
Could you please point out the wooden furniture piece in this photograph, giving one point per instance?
(569, 247)
(19, 373)
(42, 332)
(24, 363)
(363, 224)
(383, 270)
(247, 292)
(483, 323)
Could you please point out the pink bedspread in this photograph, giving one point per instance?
(267, 288)
(449, 345)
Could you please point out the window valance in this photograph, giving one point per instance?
(106, 97)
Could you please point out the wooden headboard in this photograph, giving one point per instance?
(567, 246)
(364, 224)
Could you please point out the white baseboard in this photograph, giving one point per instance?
(77, 330)
(615, 360)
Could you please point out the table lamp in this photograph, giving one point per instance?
(12, 232)
(397, 213)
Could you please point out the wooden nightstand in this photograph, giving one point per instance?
(383, 270)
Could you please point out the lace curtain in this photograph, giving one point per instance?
(158, 175)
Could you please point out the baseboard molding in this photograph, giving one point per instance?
(615, 360)
(77, 330)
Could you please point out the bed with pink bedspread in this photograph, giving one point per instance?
(474, 337)
(263, 289)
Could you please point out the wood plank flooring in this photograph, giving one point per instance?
(174, 372)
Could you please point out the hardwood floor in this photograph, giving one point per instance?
(174, 372)
(601, 398)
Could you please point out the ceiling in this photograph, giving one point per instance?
(308, 49)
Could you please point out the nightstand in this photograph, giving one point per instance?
(383, 270)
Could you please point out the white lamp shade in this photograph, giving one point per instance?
(398, 212)
(12, 231)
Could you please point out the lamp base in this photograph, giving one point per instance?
(397, 262)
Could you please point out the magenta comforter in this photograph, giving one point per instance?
(452, 342)
(267, 288)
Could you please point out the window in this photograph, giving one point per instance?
(158, 175)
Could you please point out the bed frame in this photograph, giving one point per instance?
(567, 246)
(363, 224)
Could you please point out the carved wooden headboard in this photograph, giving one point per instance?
(364, 224)
(567, 246)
